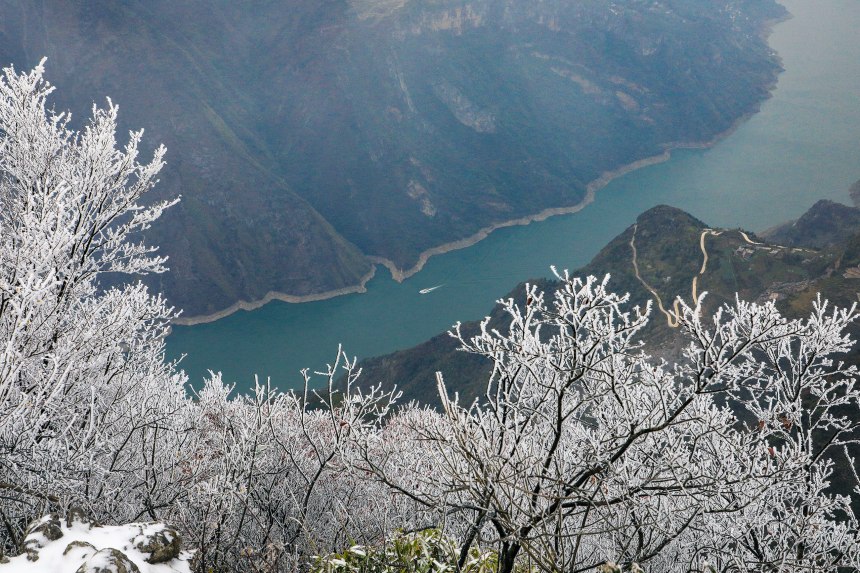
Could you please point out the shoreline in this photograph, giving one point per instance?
(275, 295)
(400, 275)
(591, 189)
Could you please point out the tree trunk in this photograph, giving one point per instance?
(507, 557)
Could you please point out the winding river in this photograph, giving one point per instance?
(804, 145)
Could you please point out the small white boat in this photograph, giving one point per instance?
(431, 289)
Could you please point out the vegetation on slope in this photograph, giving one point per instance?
(668, 243)
(306, 138)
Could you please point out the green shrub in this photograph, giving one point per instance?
(427, 551)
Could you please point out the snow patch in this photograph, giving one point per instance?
(87, 543)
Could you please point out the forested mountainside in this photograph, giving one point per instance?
(306, 139)
(669, 257)
(827, 223)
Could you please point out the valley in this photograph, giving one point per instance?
(752, 179)
(313, 143)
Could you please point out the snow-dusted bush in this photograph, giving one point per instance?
(585, 452)
(270, 483)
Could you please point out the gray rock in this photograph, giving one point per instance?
(161, 546)
(76, 544)
(49, 527)
(108, 561)
(76, 514)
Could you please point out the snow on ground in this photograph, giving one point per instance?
(66, 545)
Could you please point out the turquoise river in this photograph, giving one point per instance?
(804, 145)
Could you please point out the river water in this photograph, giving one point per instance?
(804, 145)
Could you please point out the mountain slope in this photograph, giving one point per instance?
(825, 224)
(305, 139)
(670, 262)
(240, 231)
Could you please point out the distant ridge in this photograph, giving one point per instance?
(826, 223)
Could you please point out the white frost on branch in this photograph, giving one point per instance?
(584, 450)
(84, 389)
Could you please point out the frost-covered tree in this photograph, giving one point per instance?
(584, 451)
(84, 388)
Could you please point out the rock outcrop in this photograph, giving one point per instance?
(77, 544)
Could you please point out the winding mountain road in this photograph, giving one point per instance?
(673, 315)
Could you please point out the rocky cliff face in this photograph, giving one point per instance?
(304, 139)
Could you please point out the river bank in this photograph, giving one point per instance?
(400, 275)
(274, 295)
